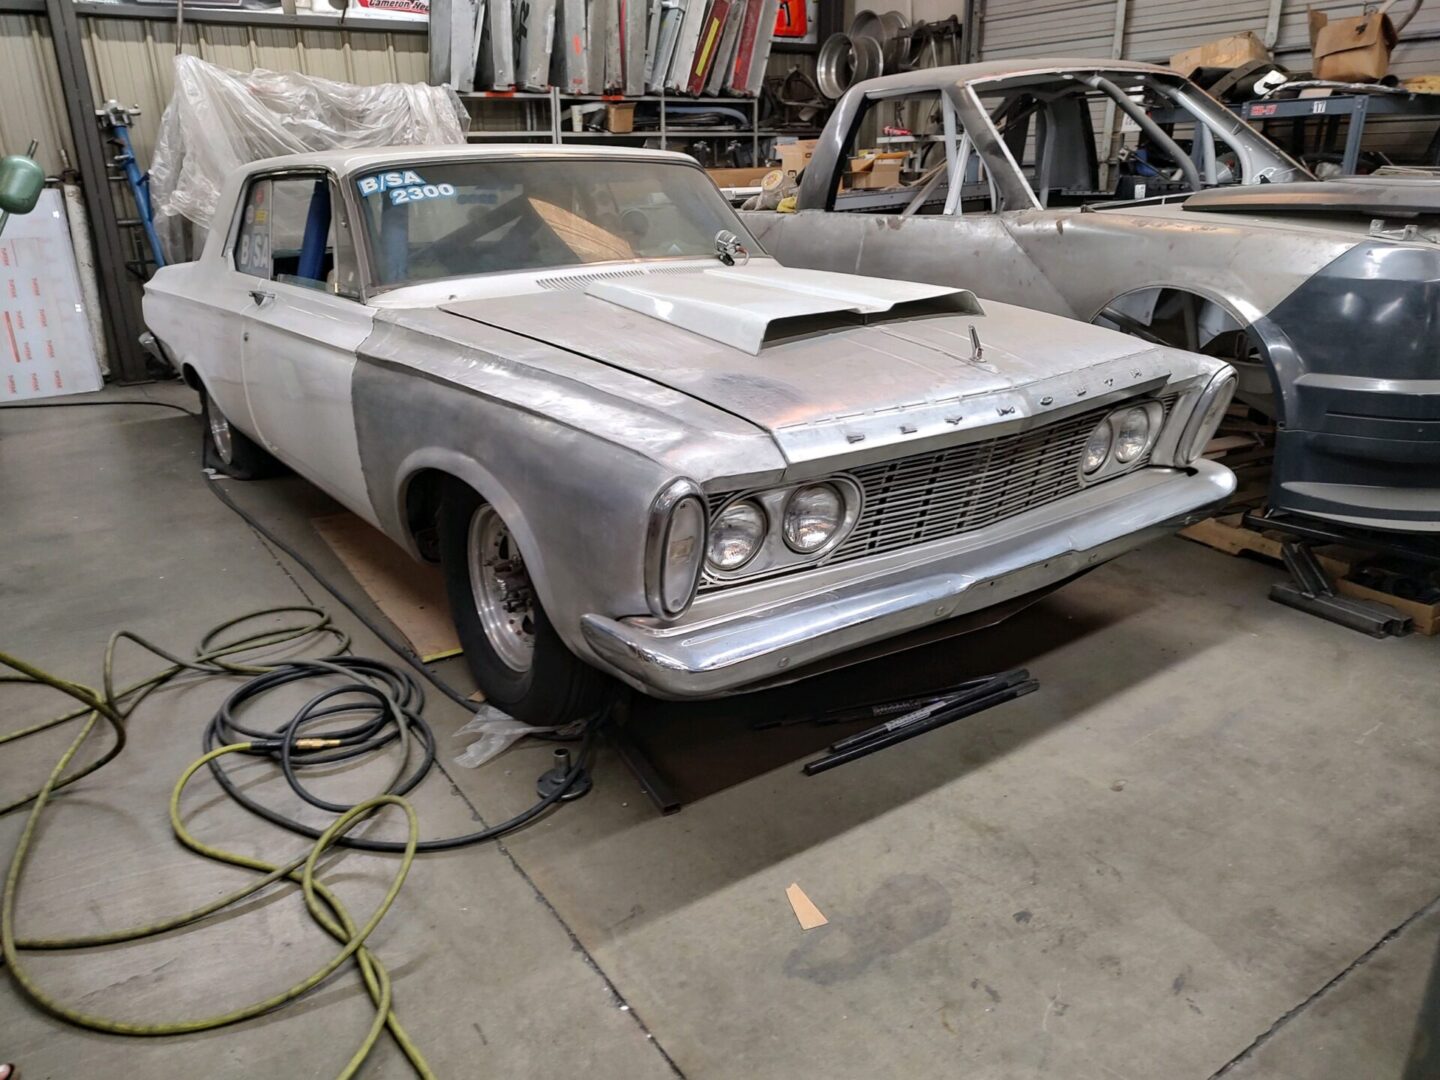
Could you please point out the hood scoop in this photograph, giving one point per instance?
(750, 307)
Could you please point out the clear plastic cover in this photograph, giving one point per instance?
(220, 120)
(497, 732)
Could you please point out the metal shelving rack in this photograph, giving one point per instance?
(1330, 110)
(557, 132)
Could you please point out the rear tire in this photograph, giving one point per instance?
(230, 451)
(518, 660)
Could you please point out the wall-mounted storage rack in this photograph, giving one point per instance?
(546, 115)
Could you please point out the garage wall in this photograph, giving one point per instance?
(30, 91)
(130, 61)
(1153, 30)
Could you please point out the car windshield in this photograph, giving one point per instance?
(428, 222)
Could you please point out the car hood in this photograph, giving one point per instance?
(836, 378)
(1371, 197)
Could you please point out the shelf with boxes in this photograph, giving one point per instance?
(671, 121)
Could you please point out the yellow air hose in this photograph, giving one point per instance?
(213, 657)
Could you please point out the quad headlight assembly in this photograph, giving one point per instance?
(1120, 440)
(750, 534)
(756, 532)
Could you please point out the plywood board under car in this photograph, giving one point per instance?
(410, 594)
(1228, 534)
(1424, 617)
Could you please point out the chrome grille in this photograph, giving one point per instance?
(945, 493)
(949, 492)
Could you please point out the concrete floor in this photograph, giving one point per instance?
(1209, 845)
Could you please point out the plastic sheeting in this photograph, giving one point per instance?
(220, 120)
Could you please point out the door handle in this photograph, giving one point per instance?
(261, 297)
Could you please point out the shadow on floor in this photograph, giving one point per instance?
(703, 747)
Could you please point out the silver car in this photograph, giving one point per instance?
(1204, 236)
(641, 448)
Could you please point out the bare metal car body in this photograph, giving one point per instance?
(582, 402)
(1324, 295)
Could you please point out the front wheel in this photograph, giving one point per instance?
(517, 658)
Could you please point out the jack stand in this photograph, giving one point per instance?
(1311, 592)
(554, 779)
(641, 767)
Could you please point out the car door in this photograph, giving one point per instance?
(302, 328)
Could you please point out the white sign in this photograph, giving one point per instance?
(45, 344)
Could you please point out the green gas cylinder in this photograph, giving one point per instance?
(21, 181)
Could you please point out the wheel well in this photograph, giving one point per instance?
(423, 493)
(1188, 319)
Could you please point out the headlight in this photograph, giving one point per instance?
(1209, 411)
(1097, 448)
(675, 548)
(1132, 434)
(736, 536)
(812, 516)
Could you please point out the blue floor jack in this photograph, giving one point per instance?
(116, 120)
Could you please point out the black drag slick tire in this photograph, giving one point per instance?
(555, 686)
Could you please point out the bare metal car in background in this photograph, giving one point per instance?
(1325, 296)
(637, 448)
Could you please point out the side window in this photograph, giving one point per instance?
(911, 155)
(252, 246)
(293, 230)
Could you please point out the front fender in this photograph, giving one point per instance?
(575, 502)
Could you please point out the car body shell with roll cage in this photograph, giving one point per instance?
(608, 390)
(1322, 294)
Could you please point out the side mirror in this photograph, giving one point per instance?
(21, 181)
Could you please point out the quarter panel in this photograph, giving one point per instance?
(1094, 257)
(200, 326)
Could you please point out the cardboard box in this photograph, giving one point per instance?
(620, 117)
(877, 174)
(1352, 50)
(739, 177)
(795, 156)
(1228, 52)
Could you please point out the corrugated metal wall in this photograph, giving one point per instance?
(30, 90)
(130, 61)
(1154, 30)
(1047, 28)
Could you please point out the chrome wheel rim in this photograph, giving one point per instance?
(504, 598)
(220, 434)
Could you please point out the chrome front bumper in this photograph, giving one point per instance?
(736, 637)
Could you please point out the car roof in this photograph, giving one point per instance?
(963, 74)
(345, 162)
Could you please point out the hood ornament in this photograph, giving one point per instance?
(976, 350)
(728, 248)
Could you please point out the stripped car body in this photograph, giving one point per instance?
(1322, 294)
(591, 405)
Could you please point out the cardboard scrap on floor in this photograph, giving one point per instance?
(804, 908)
(410, 594)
